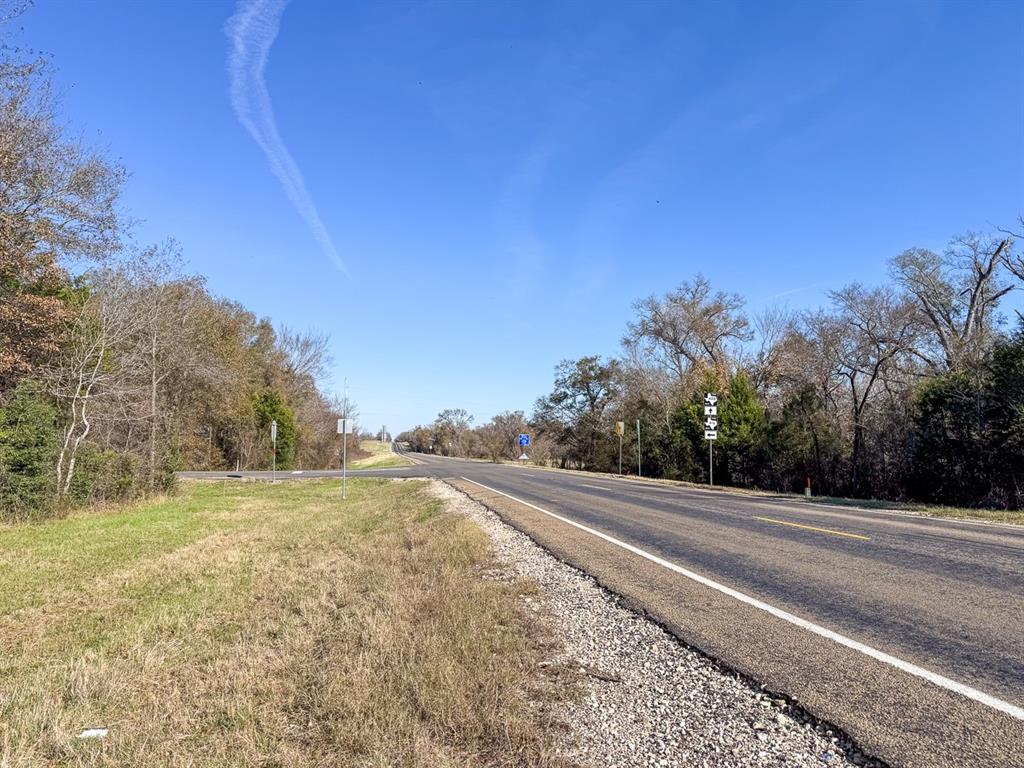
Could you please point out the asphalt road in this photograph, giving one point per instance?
(939, 603)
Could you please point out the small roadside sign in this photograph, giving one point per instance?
(710, 410)
(345, 426)
(710, 399)
(524, 440)
(710, 422)
(620, 428)
(273, 431)
(710, 434)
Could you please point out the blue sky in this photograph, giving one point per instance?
(503, 180)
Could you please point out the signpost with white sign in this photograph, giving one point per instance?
(711, 431)
(273, 443)
(344, 429)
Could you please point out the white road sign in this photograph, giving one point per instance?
(710, 410)
(710, 423)
(710, 434)
(345, 426)
(710, 399)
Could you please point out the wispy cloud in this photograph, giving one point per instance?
(773, 299)
(252, 31)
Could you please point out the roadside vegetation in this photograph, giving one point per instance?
(258, 624)
(118, 368)
(909, 391)
(380, 456)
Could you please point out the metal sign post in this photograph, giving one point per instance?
(711, 431)
(620, 428)
(344, 429)
(273, 442)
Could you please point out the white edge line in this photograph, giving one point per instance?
(905, 666)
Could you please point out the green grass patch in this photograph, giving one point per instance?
(432, 511)
(259, 624)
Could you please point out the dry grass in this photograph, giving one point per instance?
(381, 456)
(268, 625)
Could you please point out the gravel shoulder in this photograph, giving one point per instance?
(646, 698)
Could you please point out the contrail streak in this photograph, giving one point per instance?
(252, 31)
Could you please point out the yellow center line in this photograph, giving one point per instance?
(814, 528)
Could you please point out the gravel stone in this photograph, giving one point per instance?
(649, 700)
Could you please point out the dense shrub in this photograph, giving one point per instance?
(103, 476)
(29, 441)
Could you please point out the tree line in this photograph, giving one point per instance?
(116, 367)
(909, 390)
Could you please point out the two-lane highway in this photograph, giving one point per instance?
(906, 631)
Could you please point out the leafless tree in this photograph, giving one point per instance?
(770, 330)
(688, 328)
(865, 342)
(166, 342)
(305, 353)
(1013, 258)
(500, 435)
(958, 294)
(83, 371)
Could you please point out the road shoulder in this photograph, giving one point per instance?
(903, 719)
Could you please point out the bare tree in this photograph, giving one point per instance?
(165, 342)
(958, 294)
(770, 330)
(1013, 259)
(83, 372)
(500, 435)
(865, 342)
(306, 353)
(646, 382)
(688, 328)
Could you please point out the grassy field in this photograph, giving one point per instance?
(381, 456)
(267, 625)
